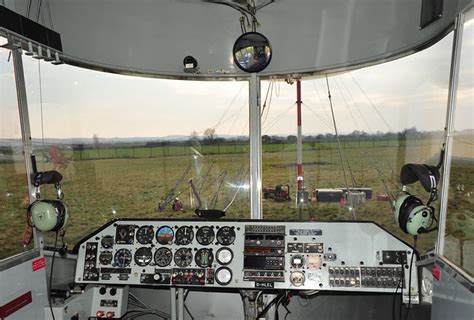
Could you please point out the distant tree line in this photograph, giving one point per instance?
(210, 136)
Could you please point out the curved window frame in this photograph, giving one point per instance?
(30, 250)
(449, 137)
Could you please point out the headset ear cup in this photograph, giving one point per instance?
(47, 211)
(47, 215)
(63, 210)
(405, 211)
(43, 215)
(402, 214)
(61, 214)
(51, 202)
(28, 213)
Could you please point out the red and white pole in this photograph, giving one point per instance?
(299, 141)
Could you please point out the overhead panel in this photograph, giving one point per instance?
(153, 37)
(20, 25)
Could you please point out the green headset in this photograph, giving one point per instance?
(412, 215)
(48, 215)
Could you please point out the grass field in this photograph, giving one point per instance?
(98, 190)
(162, 149)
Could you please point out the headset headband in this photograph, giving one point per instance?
(426, 174)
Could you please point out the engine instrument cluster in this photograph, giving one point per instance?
(339, 256)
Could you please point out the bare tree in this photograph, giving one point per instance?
(210, 134)
(193, 135)
(96, 140)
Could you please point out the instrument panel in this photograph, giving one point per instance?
(337, 256)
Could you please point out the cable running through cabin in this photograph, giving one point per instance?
(49, 15)
(28, 9)
(41, 107)
(39, 11)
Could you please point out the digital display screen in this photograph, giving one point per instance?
(254, 262)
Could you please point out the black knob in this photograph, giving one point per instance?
(113, 292)
(102, 291)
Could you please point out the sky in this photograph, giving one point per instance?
(407, 92)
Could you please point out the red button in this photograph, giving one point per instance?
(436, 272)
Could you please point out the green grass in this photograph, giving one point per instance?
(130, 182)
(13, 204)
(125, 151)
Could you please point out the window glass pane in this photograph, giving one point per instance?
(386, 115)
(128, 147)
(459, 240)
(13, 186)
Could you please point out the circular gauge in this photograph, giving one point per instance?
(226, 235)
(183, 257)
(122, 258)
(107, 242)
(204, 258)
(223, 276)
(105, 257)
(224, 256)
(297, 278)
(163, 257)
(143, 256)
(165, 235)
(297, 261)
(145, 234)
(205, 235)
(184, 236)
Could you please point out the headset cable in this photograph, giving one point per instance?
(51, 276)
(415, 238)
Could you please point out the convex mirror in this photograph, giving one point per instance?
(252, 52)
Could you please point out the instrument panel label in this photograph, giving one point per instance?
(268, 285)
(306, 232)
(15, 305)
(38, 264)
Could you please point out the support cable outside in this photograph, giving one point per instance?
(372, 104)
(340, 151)
(347, 105)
